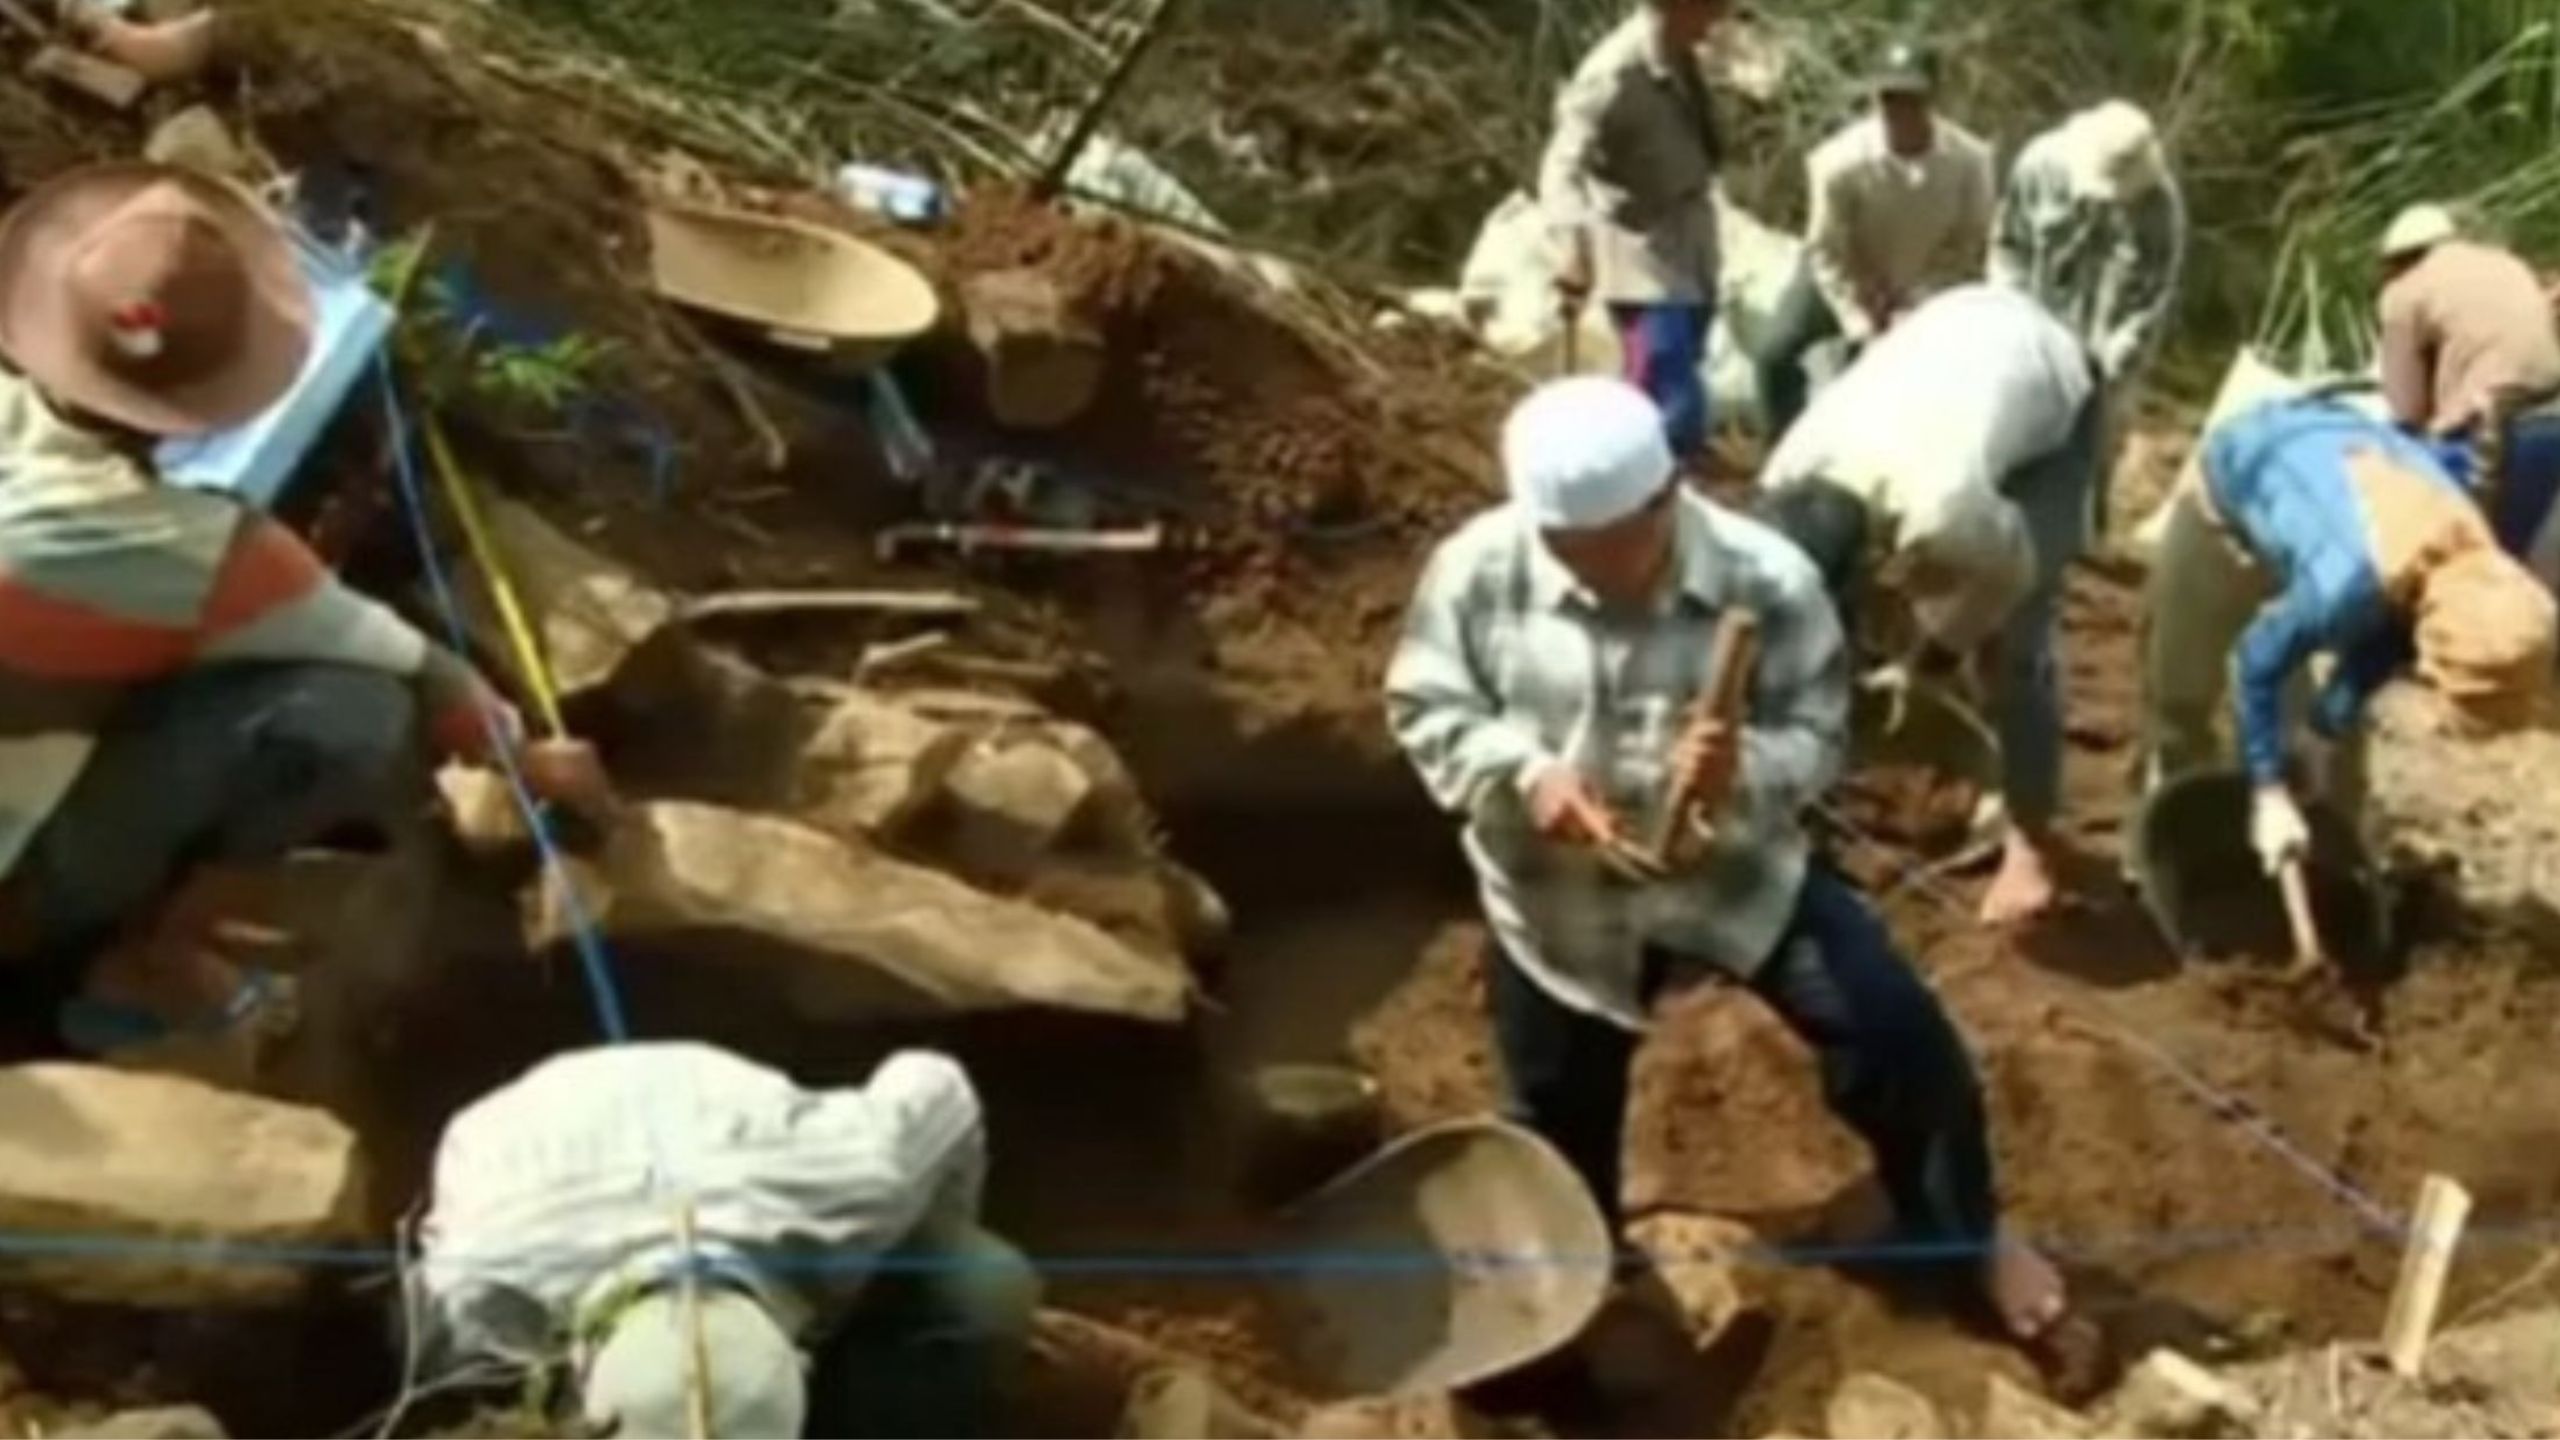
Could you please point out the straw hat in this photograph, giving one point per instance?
(157, 298)
(2114, 152)
(2417, 229)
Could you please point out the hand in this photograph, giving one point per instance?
(2277, 830)
(1564, 810)
(1705, 761)
(1892, 684)
(569, 772)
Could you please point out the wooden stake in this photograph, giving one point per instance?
(2443, 1206)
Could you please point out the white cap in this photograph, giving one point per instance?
(1584, 452)
(2418, 228)
(641, 1381)
(2114, 152)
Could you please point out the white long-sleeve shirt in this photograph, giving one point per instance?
(1893, 230)
(555, 1191)
(1631, 165)
(1507, 664)
(1931, 420)
(2110, 271)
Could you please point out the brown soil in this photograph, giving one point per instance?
(1312, 462)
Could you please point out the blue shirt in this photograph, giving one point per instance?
(2278, 477)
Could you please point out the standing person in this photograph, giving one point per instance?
(1628, 186)
(1967, 442)
(688, 1222)
(2320, 531)
(1544, 690)
(187, 687)
(2471, 361)
(1901, 204)
(2093, 225)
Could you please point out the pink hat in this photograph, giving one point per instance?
(158, 298)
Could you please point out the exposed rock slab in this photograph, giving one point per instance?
(91, 1151)
(847, 933)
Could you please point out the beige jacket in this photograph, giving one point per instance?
(1892, 232)
(2461, 325)
(1632, 164)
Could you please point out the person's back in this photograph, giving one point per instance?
(2460, 325)
(1977, 381)
(2288, 479)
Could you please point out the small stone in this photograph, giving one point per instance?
(2173, 1398)
(1870, 1407)
(2010, 1412)
(872, 766)
(167, 1422)
(1693, 1257)
(197, 139)
(482, 807)
(588, 613)
(1015, 801)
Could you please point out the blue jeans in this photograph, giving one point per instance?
(1893, 1068)
(929, 1347)
(232, 764)
(2058, 496)
(1664, 346)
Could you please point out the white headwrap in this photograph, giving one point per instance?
(2114, 152)
(1584, 452)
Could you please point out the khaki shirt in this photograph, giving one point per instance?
(2461, 325)
(1895, 231)
(1632, 163)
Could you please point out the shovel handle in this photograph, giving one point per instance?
(1729, 661)
(2308, 952)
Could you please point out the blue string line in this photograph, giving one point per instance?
(1282, 1263)
(584, 934)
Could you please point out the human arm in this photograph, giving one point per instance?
(2013, 231)
(2363, 668)
(2155, 260)
(2277, 644)
(1441, 705)
(1570, 192)
(1830, 240)
(939, 1142)
(2407, 359)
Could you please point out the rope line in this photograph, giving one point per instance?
(2224, 1105)
(593, 960)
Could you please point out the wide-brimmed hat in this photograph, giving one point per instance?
(2114, 152)
(157, 298)
(2418, 229)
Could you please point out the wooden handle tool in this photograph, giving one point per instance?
(2309, 954)
(1728, 682)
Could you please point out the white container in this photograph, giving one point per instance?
(907, 199)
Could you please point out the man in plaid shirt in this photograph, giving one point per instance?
(1544, 689)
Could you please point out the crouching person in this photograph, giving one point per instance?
(183, 684)
(720, 1252)
(1544, 689)
(2318, 531)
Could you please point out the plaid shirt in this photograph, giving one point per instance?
(1507, 662)
(2110, 272)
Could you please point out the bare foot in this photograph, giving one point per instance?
(2024, 888)
(2025, 1291)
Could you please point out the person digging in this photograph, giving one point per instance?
(1957, 461)
(687, 1224)
(1546, 690)
(1627, 184)
(2471, 362)
(2320, 531)
(185, 689)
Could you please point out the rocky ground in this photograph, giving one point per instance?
(1122, 832)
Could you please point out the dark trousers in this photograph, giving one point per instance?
(1803, 320)
(929, 1348)
(230, 763)
(1892, 1065)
